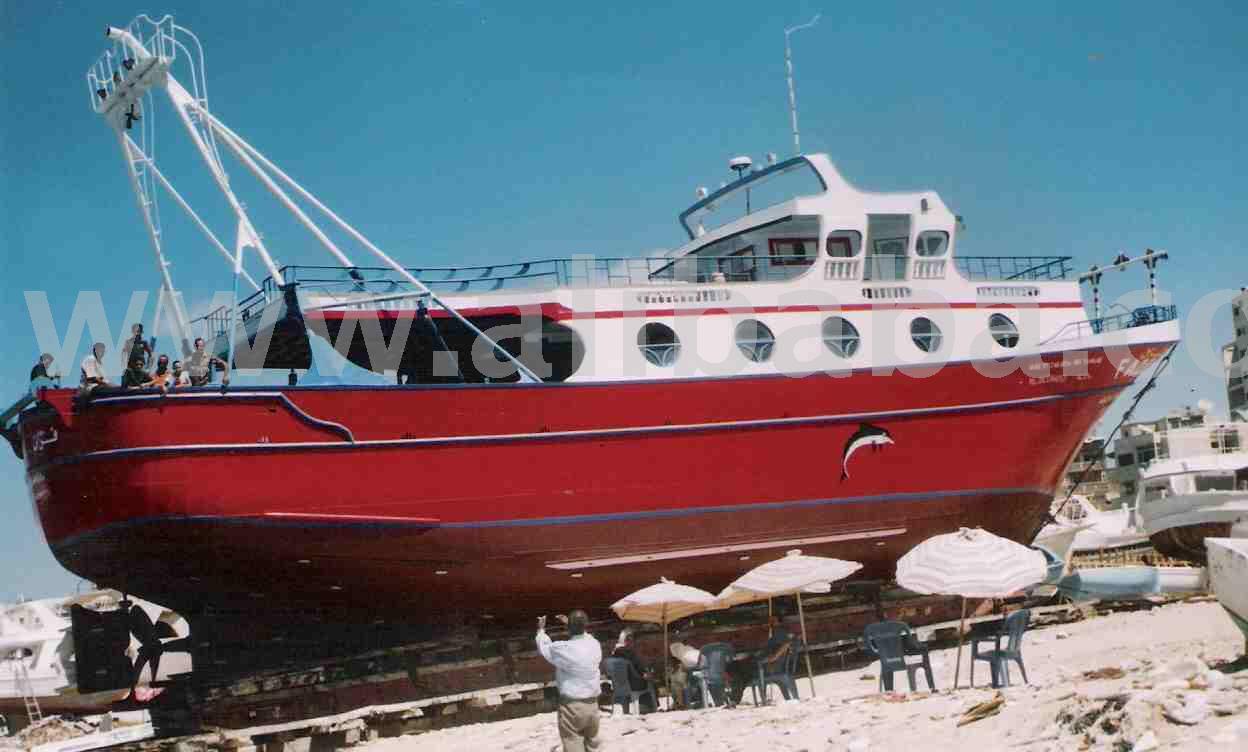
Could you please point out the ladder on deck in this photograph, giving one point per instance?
(26, 688)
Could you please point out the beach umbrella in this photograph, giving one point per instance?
(793, 574)
(972, 564)
(663, 603)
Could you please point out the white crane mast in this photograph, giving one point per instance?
(121, 81)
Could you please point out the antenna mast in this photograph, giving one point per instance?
(788, 64)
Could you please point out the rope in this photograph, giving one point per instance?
(1051, 516)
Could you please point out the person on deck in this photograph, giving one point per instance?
(624, 649)
(135, 348)
(93, 369)
(136, 374)
(41, 369)
(180, 377)
(576, 662)
(200, 364)
(163, 378)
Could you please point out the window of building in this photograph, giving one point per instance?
(1003, 330)
(844, 243)
(840, 336)
(755, 340)
(1126, 460)
(658, 343)
(932, 243)
(926, 334)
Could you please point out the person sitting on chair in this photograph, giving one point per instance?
(745, 671)
(686, 657)
(624, 649)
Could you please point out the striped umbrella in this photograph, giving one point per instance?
(663, 603)
(793, 574)
(972, 564)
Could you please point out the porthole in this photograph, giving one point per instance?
(840, 336)
(926, 334)
(658, 343)
(755, 340)
(1003, 330)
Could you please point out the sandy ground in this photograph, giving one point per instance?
(1166, 698)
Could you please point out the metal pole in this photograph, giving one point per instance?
(810, 674)
(240, 142)
(957, 671)
(212, 238)
(788, 65)
(238, 270)
(162, 266)
(667, 684)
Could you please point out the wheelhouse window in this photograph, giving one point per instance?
(844, 243)
(793, 251)
(739, 266)
(1003, 330)
(658, 344)
(771, 252)
(755, 340)
(932, 243)
(925, 334)
(840, 336)
(1220, 482)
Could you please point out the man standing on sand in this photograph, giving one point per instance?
(576, 662)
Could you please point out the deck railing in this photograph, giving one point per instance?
(1005, 268)
(1142, 316)
(592, 271)
(589, 271)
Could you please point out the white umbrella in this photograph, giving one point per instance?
(972, 564)
(663, 603)
(793, 574)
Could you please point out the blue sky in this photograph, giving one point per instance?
(470, 132)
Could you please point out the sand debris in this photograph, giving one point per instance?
(982, 710)
(55, 728)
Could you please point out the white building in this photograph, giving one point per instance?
(1185, 432)
(1235, 358)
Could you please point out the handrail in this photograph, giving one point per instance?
(1142, 316)
(1011, 268)
(554, 272)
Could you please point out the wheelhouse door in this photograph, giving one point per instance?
(888, 239)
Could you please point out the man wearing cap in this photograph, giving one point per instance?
(576, 662)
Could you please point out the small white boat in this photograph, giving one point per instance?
(1080, 528)
(1228, 576)
(1182, 502)
(1133, 582)
(37, 656)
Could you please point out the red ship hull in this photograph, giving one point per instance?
(449, 504)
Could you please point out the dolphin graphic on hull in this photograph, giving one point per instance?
(866, 435)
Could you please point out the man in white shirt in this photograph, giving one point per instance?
(576, 662)
(93, 369)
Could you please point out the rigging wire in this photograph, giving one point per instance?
(1158, 369)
